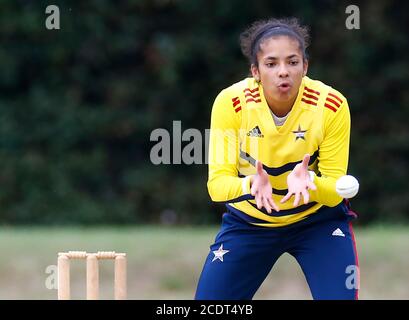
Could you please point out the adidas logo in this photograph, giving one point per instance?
(337, 232)
(255, 132)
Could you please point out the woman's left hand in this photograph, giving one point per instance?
(299, 182)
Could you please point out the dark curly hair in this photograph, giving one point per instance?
(259, 31)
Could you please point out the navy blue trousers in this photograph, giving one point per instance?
(242, 256)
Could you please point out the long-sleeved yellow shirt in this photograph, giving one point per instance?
(243, 130)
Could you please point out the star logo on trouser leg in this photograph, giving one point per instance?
(219, 253)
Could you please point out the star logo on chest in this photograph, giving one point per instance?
(219, 253)
(299, 134)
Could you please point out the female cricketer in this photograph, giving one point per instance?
(279, 140)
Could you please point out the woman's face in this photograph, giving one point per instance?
(280, 69)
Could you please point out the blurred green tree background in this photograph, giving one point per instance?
(78, 105)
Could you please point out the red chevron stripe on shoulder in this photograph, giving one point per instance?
(250, 90)
(236, 101)
(326, 105)
(334, 96)
(314, 103)
(333, 102)
(252, 95)
(311, 91)
(253, 100)
(311, 96)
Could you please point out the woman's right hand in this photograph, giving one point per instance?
(261, 189)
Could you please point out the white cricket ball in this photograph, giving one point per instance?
(347, 186)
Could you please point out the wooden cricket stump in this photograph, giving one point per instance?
(92, 273)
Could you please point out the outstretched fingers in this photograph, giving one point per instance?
(261, 189)
(259, 167)
(286, 197)
(296, 199)
(258, 200)
(266, 204)
(305, 161)
(306, 196)
(311, 185)
(273, 204)
(253, 190)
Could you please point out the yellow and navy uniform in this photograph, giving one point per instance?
(243, 130)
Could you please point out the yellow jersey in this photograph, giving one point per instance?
(243, 130)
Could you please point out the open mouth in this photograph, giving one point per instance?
(285, 86)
